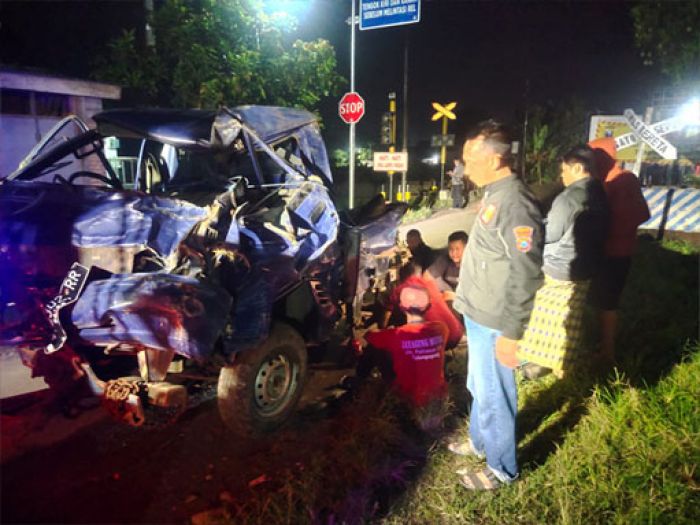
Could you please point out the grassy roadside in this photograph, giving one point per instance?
(620, 449)
(600, 447)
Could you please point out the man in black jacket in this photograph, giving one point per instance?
(499, 275)
(577, 226)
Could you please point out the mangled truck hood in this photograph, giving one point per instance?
(284, 229)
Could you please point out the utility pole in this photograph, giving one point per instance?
(404, 129)
(351, 140)
(148, 29)
(392, 138)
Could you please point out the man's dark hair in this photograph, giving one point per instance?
(406, 271)
(498, 137)
(460, 235)
(413, 233)
(583, 155)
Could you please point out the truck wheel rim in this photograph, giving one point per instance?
(275, 384)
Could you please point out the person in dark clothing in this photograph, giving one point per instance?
(576, 228)
(445, 270)
(457, 181)
(499, 275)
(422, 255)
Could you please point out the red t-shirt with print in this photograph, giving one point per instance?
(438, 311)
(418, 354)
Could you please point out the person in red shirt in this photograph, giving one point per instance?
(439, 310)
(415, 351)
(628, 209)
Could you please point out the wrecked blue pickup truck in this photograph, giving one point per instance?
(224, 260)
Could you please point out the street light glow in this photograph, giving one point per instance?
(286, 8)
(689, 113)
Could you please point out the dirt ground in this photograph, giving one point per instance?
(341, 455)
(97, 471)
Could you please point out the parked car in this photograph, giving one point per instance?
(225, 262)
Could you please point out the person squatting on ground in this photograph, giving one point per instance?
(499, 275)
(628, 209)
(422, 255)
(457, 181)
(439, 310)
(575, 231)
(411, 357)
(445, 270)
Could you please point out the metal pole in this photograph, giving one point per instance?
(641, 144)
(404, 131)
(351, 181)
(522, 166)
(443, 149)
(392, 147)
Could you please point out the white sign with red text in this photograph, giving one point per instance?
(386, 161)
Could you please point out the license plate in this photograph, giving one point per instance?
(70, 290)
(73, 283)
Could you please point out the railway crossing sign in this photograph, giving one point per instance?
(650, 137)
(444, 111)
(627, 141)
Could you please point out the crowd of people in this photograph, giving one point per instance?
(517, 286)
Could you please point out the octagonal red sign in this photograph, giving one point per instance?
(351, 107)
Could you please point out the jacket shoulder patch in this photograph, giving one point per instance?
(488, 213)
(523, 238)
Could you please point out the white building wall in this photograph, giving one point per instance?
(18, 135)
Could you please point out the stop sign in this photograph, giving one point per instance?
(351, 107)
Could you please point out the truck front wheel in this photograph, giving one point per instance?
(261, 389)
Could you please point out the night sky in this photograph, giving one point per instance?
(479, 54)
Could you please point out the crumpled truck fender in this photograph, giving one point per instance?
(118, 226)
(155, 310)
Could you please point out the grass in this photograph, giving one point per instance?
(632, 458)
(614, 447)
(621, 449)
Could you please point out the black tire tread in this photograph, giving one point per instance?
(234, 395)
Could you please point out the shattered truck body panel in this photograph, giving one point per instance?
(229, 233)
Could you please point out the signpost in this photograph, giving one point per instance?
(650, 137)
(390, 161)
(627, 140)
(375, 14)
(438, 141)
(351, 108)
(663, 127)
(445, 113)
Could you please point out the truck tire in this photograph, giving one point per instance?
(261, 389)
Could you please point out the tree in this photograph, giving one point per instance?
(555, 130)
(340, 158)
(541, 154)
(667, 35)
(213, 52)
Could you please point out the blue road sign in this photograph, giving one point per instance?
(375, 14)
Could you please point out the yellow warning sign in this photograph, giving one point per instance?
(617, 126)
(444, 111)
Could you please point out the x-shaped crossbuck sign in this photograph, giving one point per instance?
(444, 111)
